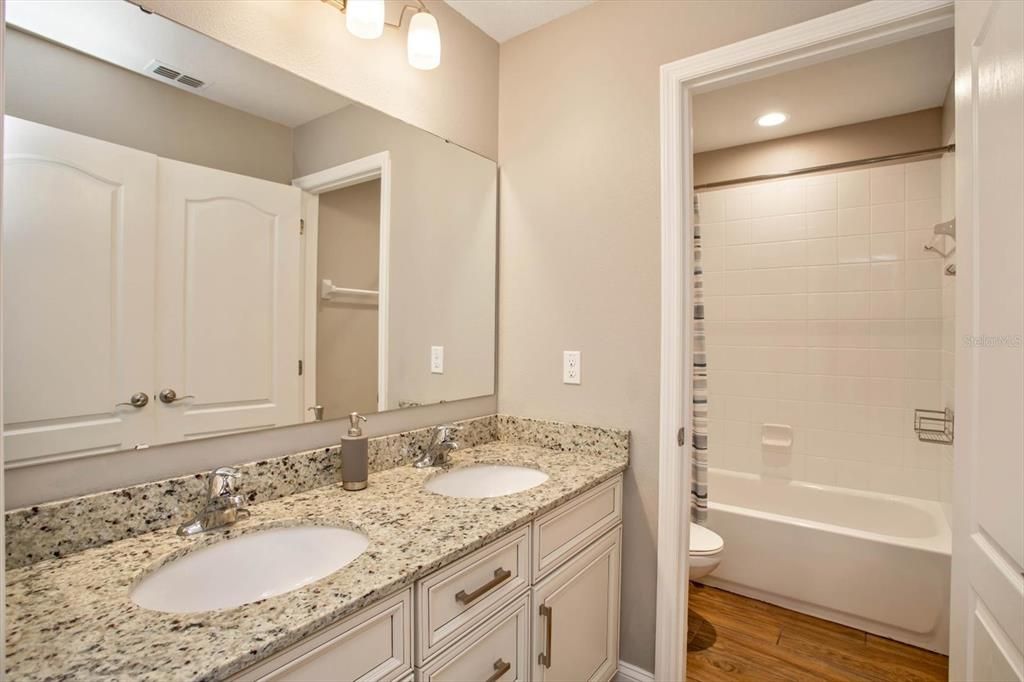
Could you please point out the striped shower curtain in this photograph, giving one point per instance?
(699, 484)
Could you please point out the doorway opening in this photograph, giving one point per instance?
(766, 432)
(346, 241)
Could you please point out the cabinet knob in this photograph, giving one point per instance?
(500, 576)
(500, 668)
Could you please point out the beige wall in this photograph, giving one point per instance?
(458, 100)
(891, 135)
(442, 257)
(348, 249)
(578, 144)
(55, 86)
(949, 115)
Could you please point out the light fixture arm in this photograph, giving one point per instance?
(415, 9)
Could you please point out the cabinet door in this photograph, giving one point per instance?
(576, 616)
(228, 292)
(78, 244)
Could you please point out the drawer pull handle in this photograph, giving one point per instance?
(500, 668)
(545, 658)
(500, 576)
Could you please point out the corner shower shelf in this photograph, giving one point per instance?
(934, 426)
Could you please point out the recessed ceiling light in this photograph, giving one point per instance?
(772, 119)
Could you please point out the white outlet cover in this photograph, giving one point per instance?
(437, 359)
(572, 369)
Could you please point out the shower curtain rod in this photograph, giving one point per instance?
(828, 167)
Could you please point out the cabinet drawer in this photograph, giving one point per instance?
(455, 599)
(497, 651)
(563, 532)
(373, 644)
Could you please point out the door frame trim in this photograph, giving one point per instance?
(365, 169)
(862, 27)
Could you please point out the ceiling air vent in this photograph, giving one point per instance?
(190, 81)
(170, 73)
(162, 70)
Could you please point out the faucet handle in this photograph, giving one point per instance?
(223, 482)
(445, 431)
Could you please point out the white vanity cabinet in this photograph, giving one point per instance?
(573, 595)
(540, 603)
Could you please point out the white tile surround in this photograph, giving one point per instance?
(824, 312)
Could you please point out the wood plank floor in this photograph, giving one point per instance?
(736, 638)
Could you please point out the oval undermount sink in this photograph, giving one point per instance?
(485, 480)
(248, 568)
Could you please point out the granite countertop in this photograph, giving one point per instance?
(71, 618)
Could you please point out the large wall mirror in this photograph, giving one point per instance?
(197, 243)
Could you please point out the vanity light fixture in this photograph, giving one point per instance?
(773, 118)
(365, 19)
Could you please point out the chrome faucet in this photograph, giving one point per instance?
(441, 444)
(224, 506)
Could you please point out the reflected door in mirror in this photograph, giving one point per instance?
(79, 233)
(228, 322)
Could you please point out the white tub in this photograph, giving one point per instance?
(876, 562)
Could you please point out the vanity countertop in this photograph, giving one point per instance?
(71, 618)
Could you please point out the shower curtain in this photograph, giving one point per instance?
(699, 484)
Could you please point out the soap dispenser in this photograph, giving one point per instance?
(354, 455)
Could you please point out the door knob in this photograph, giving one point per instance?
(169, 395)
(137, 400)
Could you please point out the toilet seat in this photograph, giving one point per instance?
(704, 541)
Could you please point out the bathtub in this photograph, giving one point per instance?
(875, 562)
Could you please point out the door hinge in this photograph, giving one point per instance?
(681, 437)
(302, 228)
(300, 368)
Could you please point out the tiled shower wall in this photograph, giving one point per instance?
(824, 312)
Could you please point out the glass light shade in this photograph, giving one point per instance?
(424, 42)
(365, 18)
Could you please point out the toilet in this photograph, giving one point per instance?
(705, 550)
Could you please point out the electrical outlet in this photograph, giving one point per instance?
(437, 359)
(571, 368)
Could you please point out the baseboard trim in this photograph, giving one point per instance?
(631, 673)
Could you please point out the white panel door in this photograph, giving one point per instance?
(78, 246)
(988, 554)
(228, 282)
